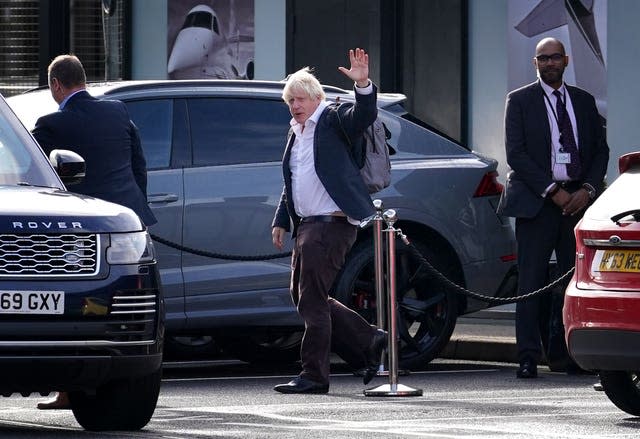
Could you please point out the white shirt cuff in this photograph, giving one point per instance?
(364, 90)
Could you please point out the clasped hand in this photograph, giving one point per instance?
(571, 203)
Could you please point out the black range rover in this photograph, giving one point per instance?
(81, 307)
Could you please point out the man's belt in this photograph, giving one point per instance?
(324, 219)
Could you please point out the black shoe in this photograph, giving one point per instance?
(527, 369)
(374, 354)
(302, 385)
(598, 387)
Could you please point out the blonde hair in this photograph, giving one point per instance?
(303, 81)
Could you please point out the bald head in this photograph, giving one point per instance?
(550, 43)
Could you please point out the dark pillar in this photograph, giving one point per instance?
(54, 34)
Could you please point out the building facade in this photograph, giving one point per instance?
(452, 58)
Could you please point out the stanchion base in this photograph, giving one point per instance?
(383, 372)
(393, 390)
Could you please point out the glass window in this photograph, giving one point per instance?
(198, 19)
(228, 131)
(154, 119)
(21, 161)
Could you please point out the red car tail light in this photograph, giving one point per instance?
(627, 161)
(489, 185)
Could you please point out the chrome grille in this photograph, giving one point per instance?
(144, 304)
(38, 254)
(133, 315)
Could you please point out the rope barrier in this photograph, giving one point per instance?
(489, 299)
(219, 255)
(416, 253)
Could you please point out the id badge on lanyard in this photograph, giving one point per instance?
(563, 158)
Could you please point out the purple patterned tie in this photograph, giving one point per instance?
(567, 140)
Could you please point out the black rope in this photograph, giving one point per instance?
(219, 255)
(424, 263)
(490, 299)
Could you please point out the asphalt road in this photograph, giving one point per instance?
(460, 400)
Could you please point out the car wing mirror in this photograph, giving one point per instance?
(69, 165)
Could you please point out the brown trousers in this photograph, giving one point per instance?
(318, 255)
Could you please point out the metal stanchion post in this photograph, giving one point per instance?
(378, 253)
(393, 388)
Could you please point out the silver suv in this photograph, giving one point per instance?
(214, 151)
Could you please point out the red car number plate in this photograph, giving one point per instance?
(627, 261)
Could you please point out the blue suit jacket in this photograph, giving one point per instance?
(528, 148)
(334, 161)
(102, 132)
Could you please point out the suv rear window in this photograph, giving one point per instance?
(227, 131)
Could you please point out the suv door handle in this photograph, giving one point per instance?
(162, 198)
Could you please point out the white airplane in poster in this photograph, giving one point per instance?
(202, 50)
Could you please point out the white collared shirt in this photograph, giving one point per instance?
(310, 198)
(559, 170)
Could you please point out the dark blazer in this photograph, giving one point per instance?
(528, 148)
(334, 162)
(102, 132)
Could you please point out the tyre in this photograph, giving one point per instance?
(426, 312)
(623, 389)
(126, 404)
(263, 346)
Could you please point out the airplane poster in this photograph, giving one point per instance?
(580, 24)
(210, 39)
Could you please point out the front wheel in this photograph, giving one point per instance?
(125, 404)
(623, 389)
(427, 313)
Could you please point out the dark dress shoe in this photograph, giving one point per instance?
(374, 354)
(527, 369)
(302, 385)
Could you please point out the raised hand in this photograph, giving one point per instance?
(359, 71)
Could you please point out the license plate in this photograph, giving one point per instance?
(31, 302)
(626, 261)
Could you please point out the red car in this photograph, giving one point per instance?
(602, 303)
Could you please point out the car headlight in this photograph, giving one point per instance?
(130, 248)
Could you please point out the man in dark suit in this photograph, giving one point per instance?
(558, 155)
(325, 198)
(102, 132)
(106, 138)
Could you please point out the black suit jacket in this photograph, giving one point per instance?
(102, 132)
(334, 161)
(528, 148)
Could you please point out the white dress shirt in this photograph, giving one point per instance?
(310, 198)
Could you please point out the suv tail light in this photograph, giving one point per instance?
(489, 185)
